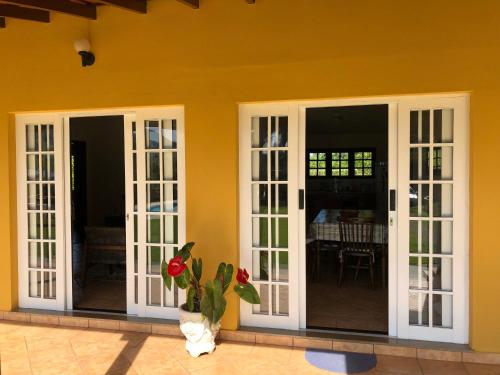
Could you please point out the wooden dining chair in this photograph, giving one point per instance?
(321, 242)
(356, 240)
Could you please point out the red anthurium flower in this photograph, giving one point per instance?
(175, 266)
(242, 276)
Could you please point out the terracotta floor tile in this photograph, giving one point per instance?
(203, 361)
(432, 367)
(298, 357)
(226, 368)
(44, 361)
(272, 354)
(234, 351)
(82, 349)
(103, 363)
(37, 343)
(66, 369)
(397, 365)
(20, 365)
(96, 335)
(10, 327)
(478, 369)
(15, 347)
(308, 369)
(162, 367)
(264, 367)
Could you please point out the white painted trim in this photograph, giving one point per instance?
(302, 220)
(67, 215)
(132, 307)
(362, 100)
(392, 254)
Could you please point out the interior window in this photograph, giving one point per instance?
(363, 163)
(342, 163)
(317, 164)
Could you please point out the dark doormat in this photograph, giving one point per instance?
(341, 362)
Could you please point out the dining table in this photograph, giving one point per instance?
(325, 227)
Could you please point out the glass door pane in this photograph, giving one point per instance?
(40, 212)
(430, 206)
(432, 219)
(156, 208)
(268, 222)
(270, 227)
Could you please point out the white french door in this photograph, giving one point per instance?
(433, 219)
(40, 222)
(155, 205)
(269, 212)
(428, 217)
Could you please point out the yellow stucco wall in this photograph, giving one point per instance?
(229, 52)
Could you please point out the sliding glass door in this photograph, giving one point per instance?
(268, 213)
(433, 219)
(427, 221)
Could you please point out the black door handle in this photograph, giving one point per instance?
(301, 199)
(392, 200)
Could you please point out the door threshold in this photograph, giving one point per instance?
(99, 311)
(346, 332)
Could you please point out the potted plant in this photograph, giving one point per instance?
(205, 305)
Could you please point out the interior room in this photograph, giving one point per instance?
(98, 213)
(346, 214)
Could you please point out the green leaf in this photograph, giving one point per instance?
(190, 299)
(185, 252)
(225, 272)
(248, 293)
(213, 303)
(183, 279)
(228, 277)
(167, 279)
(197, 268)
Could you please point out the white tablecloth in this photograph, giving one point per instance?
(325, 226)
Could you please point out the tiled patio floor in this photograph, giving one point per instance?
(38, 349)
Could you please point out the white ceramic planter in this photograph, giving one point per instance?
(200, 334)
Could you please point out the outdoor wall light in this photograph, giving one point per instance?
(82, 46)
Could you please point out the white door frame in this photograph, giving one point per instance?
(64, 238)
(392, 102)
(67, 186)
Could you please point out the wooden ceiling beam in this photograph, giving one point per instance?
(2, 22)
(29, 14)
(63, 6)
(139, 6)
(195, 4)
